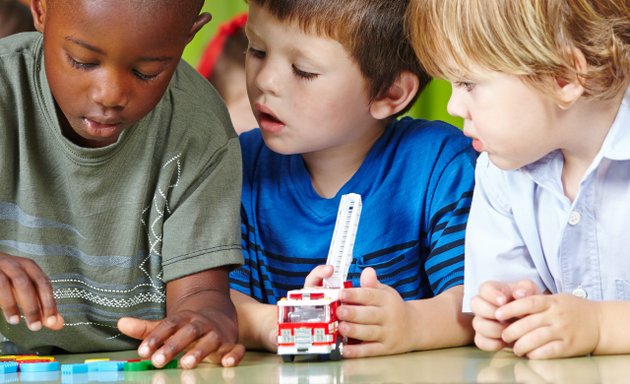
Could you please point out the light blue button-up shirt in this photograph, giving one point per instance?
(522, 226)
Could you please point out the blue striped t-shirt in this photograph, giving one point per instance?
(416, 185)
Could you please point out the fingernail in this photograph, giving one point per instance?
(500, 300)
(228, 362)
(159, 359)
(35, 326)
(187, 362)
(14, 320)
(144, 351)
(51, 320)
(498, 314)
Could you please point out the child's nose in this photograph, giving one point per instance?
(267, 80)
(111, 90)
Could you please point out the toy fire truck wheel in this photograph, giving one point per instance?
(287, 358)
(337, 353)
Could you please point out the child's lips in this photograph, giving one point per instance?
(477, 145)
(102, 127)
(267, 119)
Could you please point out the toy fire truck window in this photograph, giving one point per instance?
(306, 314)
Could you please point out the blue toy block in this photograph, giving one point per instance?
(106, 366)
(68, 369)
(8, 367)
(40, 367)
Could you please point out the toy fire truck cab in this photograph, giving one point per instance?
(307, 324)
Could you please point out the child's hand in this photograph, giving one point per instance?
(492, 295)
(201, 320)
(164, 340)
(375, 314)
(23, 284)
(551, 326)
(316, 277)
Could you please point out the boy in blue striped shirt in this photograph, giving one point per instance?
(326, 80)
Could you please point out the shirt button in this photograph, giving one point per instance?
(574, 218)
(579, 292)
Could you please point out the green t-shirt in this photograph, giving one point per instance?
(110, 226)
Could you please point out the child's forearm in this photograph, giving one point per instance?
(439, 321)
(256, 322)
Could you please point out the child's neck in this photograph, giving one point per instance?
(331, 169)
(586, 124)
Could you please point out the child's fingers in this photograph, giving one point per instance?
(7, 301)
(369, 279)
(175, 340)
(495, 292)
(234, 356)
(482, 307)
(50, 316)
(489, 344)
(157, 338)
(525, 288)
(364, 349)
(317, 275)
(27, 279)
(136, 328)
(488, 328)
(228, 355)
(378, 297)
(360, 314)
(363, 332)
(523, 307)
(534, 339)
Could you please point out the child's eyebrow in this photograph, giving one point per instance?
(84, 44)
(100, 51)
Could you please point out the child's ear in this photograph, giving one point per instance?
(570, 90)
(38, 10)
(397, 96)
(203, 19)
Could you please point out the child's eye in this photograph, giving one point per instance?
(303, 74)
(80, 65)
(143, 76)
(255, 53)
(467, 85)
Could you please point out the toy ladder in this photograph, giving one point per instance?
(340, 252)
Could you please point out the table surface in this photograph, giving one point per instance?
(452, 365)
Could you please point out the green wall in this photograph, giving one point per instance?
(431, 104)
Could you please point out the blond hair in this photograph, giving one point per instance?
(534, 39)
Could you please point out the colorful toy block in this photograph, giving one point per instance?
(50, 366)
(8, 367)
(142, 365)
(68, 369)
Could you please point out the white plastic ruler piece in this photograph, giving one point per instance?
(342, 244)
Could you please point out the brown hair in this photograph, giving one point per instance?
(372, 31)
(535, 39)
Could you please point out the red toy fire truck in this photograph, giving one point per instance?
(307, 319)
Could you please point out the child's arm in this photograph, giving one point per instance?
(23, 285)
(563, 325)
(257, 322)
(377, 315)
(201, 320)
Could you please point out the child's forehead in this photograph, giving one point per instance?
(138, 10)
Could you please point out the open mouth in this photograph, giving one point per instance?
(269, 117)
